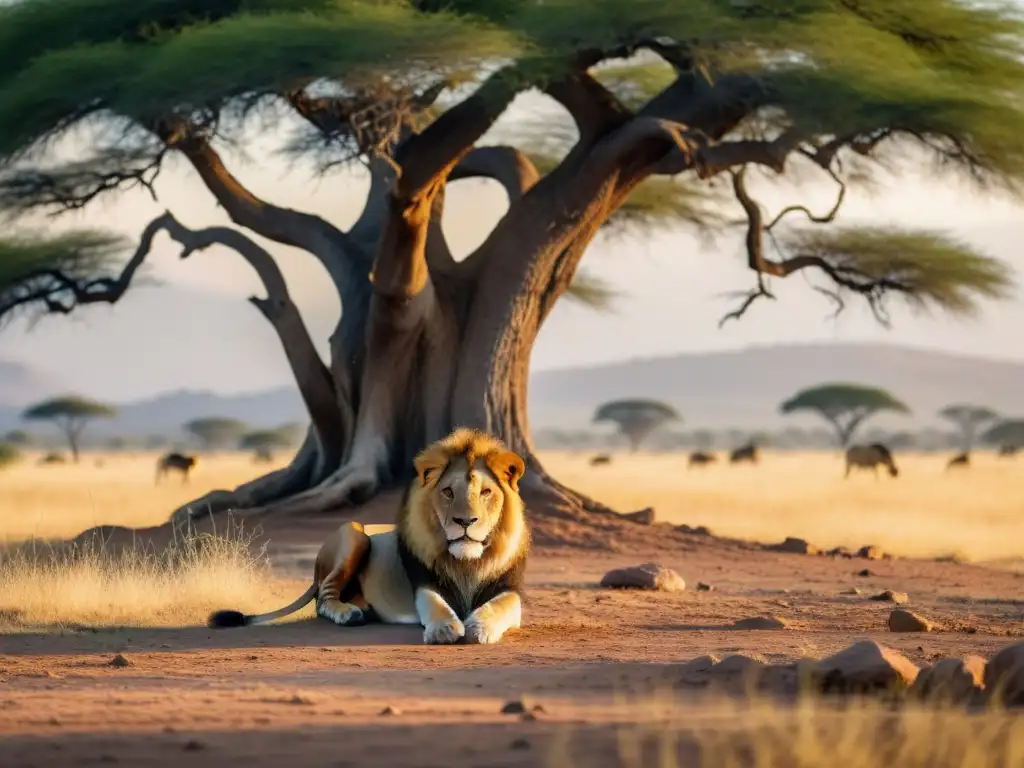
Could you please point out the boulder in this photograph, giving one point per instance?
(864, 667)
(738, 664)
(698, 665)
(644, 516)
(955, 681)
(892, 597)
(870, 552)
(760, 622)
(1004, 676)
(646, 576)
(908, 621)
(794, 545)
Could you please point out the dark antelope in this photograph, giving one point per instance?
(870, 457)
(176, 461)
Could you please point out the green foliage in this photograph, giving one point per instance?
(1007, 432)
(36, 269)
(69, 407)
(9, 454)
(264, 439)
(968, 414)
(217, 431)
(924, 269)
(591, 291)
(843, 396)
(19, 437)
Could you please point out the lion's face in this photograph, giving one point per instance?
(468, 503)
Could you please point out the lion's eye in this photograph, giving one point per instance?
(485, 492)
(448, 493)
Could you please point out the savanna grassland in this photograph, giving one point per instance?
(104, 657)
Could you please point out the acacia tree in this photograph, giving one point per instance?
(659, 92)
(968, 419)
(216, 432)
(636, 419)
(263, 442)
(1008, 433)
(844, 406)
(71, 414)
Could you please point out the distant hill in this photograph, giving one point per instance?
(714, 390)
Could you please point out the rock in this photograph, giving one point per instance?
(698, 665)
(702, 587)
(794, 545)
(870, 552)
(891, 597)
(390, 710)
(519, 743)
(645, 516)
(907, 621)
(954, 681)
(700, 530)
(1004, 676)
(760, 622)
(866, 572)
(119, 661)
(737, 664)
(864, 666)
(840, 552)
(193, 746)
(520, 707)
(646, 576)
(857, 591)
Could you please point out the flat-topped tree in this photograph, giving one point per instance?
(844, 406)
(217, 432)
(657, 92)
(636, 419)
(968, 419)
(71, 414)
(1008, 433)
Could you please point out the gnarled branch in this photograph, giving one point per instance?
(595, 110)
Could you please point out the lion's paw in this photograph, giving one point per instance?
(342, 614)
(443, 632)
(483, 630)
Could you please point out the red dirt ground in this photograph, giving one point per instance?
(314, 694)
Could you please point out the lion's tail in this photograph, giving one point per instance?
(223, 619)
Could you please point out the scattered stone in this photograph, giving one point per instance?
(840, 552)
(702, 587)
(864, 666)
(794, 545)
(870, 552)
(698, 665)
(390, 710)
(857, 591)
(955, 681)
(738, 664)
(644, 516)
(119, 661)
(646, 576)
(908, 621)
(513, 708)
(519, 743)
(888, 596)
(193, 746)
(1004, 676)
(700, 530)
(866, 572)
(760, 622)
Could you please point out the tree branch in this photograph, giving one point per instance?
(505, 165)
(595, 110)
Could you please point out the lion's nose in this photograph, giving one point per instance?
(464, 522)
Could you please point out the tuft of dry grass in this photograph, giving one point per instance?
(973, 514)
(43, 587)
(813, 733)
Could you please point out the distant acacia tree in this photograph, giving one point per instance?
(19, 437)
(968, 419)
(1009, 433)
(71, 413)
(636, 419)
(844, 406)
(217, 432)
(265, 441)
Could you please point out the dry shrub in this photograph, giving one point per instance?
(88, 584)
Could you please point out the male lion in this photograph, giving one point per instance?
(454, 563)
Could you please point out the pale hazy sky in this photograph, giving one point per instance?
(195, 329)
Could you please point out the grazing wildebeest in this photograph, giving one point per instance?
(262, 456)
(600, 459)
(699, 459)
(746, 452)
(175, 461)
(1008, 450)
(960, 460)
(869, 457)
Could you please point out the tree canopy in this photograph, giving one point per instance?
(843, 405)
(637, 418)
(1009, 432)
(657, 111)
(71, 413)
(217, 431)
(968, 418)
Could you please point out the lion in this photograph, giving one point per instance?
(454, 563)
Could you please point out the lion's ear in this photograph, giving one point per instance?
(509, 466)
(429, 466)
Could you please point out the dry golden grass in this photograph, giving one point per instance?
(814, 734)
(43, 587)
(976, 514)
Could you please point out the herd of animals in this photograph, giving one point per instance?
(870, 456)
